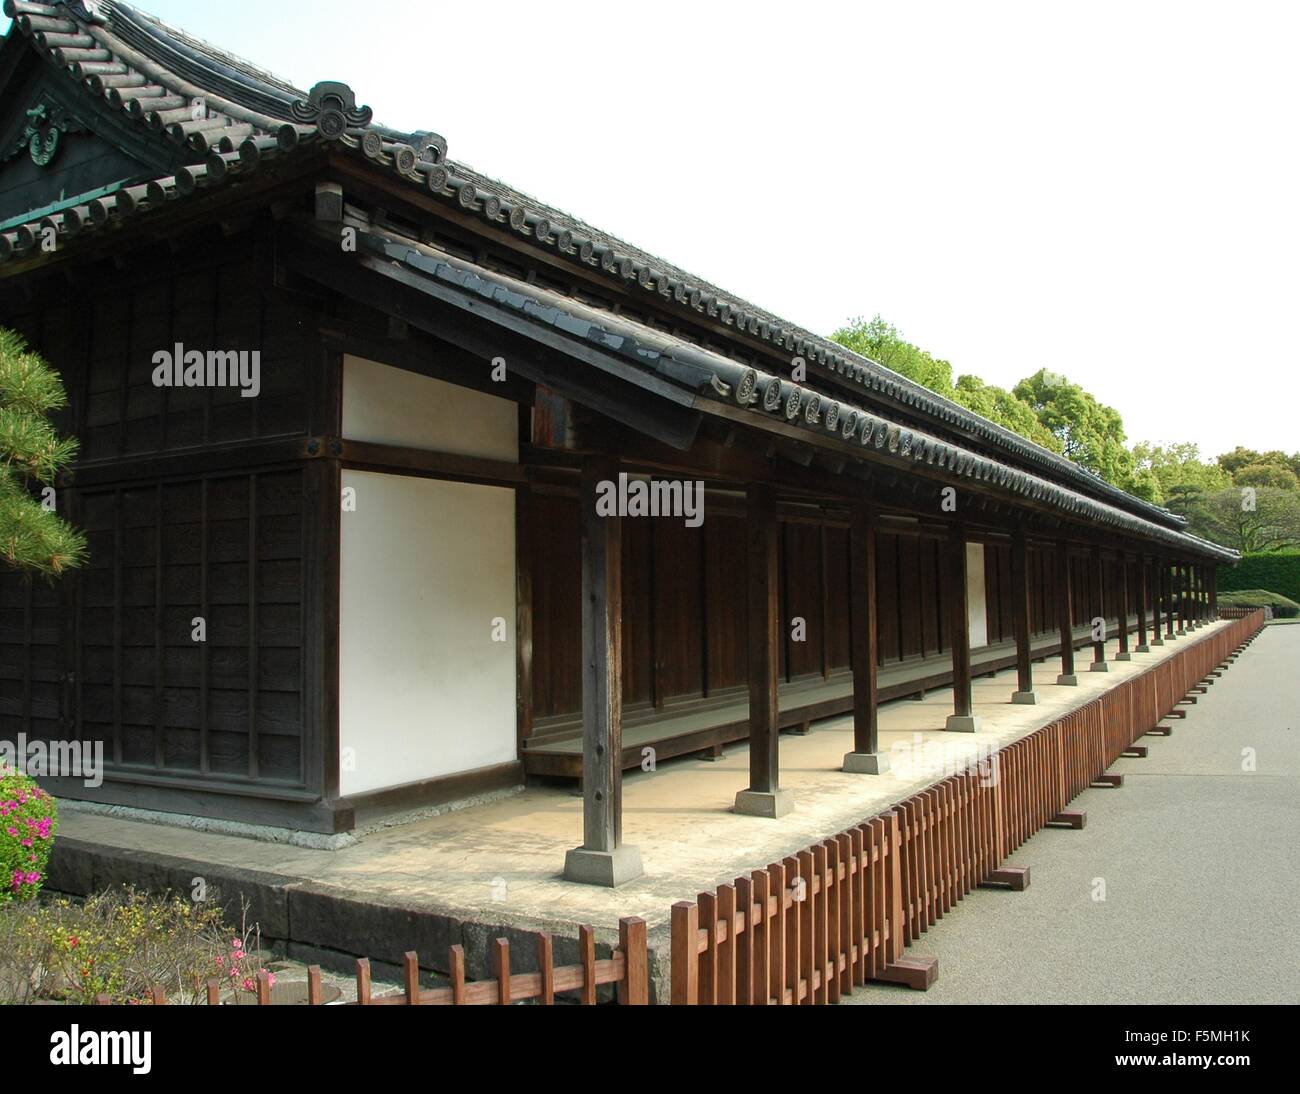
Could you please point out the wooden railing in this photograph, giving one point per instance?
(627, 968)
(810, 928)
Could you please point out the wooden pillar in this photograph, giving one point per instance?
(1098, 621)
(1065, 615)
(603, 858)
(1167, 583)
(1214, 591)
(764, 796)
(962, 720)
(1157, 591)
(1124, 606)
(1020, 619)
(1180, 596)
(1202, 597)
(1143, 646)
(866, 758)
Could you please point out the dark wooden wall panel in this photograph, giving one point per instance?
(725, 604)
(679, 608)
(556, 563)
(838, 636)
(887, 596)
(638, 612)
(804, 597)
(911, 638)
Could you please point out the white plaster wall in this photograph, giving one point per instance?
(976, 604)
(385, 405)
(424, 691)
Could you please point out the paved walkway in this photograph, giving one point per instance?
(1200, 860)
(501, 862)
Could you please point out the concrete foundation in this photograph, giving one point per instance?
(607, 868)
(866, 763)
(764, 803)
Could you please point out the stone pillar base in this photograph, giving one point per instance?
(866, 763)
(1068, 680)
(1144, 648)
(1123, 655)
(1099, 666)
(962, 723)
(764, 803)
(1024, 698)
(607, 868)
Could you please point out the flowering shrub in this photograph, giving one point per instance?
(28, 819)
(122, 942)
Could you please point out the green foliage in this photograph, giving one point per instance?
(1090, 433)
(121, 943)
(1241, 458)
(1283, 607)
(883, 344)
(28, 821)
(1277, 475)
(1277, 570)
(32, 536)
(1252, 519)
(1181, 477)
(997, 404)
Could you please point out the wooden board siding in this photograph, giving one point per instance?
(684, 618)
(193, 503)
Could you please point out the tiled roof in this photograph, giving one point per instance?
(717, 380)
(228, 118)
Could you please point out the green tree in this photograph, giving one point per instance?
(997, 404)
(1279, 475)
(1240, 458)
(881, 342)
(1090, 433)
(33, 537)
(1180, 479)
(1253, 519)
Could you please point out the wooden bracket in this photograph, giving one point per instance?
(917, 973)
(1138, 752)
(1160, 731)
(1176, 714)
(1108, 780)
(1069, 818)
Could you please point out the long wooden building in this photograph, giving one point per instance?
(355, 408)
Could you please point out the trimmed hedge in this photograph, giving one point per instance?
(1278, 571)
(1283, 607)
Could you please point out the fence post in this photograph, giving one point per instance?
(634, 988)
(685, 956)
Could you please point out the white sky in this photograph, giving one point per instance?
(1110, 190)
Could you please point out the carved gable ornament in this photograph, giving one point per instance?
(47, 124)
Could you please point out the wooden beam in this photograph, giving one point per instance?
(865, 757)
(764, 797)
(603, 859)
(1020, 618)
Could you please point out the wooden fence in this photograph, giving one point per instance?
(810, 928)
(627, 968)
